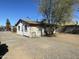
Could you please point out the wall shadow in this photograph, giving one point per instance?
(3, 50)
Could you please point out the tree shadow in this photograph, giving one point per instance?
(3, 50)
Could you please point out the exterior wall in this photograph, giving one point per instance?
(42, 32)
(26, 32)
(20, 31)
(32, 31)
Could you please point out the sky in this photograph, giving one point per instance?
(76, 13)
(18, 9)
(21, 9)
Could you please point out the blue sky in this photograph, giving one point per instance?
(76, 13)
(16, 9)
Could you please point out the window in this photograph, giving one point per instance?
(19, 28)
(25, 27)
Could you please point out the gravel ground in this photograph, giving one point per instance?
(64, 46)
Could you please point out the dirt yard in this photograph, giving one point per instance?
(64, 46)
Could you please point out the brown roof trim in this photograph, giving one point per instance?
(18, 22)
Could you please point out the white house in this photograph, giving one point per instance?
(29, 28)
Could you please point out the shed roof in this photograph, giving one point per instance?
(27, 21)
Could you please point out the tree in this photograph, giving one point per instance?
(57, 11)
(8, 25)
(14, 29)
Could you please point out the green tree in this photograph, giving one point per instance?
(57, 11)
(8, 25)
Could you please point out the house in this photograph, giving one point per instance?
(74, 29)
(29, 28)
(2, 28)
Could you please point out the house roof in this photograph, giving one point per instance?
(31, 22)
(27, 21)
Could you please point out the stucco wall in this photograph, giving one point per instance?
(19, 31)
(34, 31)
(31, 31)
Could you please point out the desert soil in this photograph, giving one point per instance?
(63, 46)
